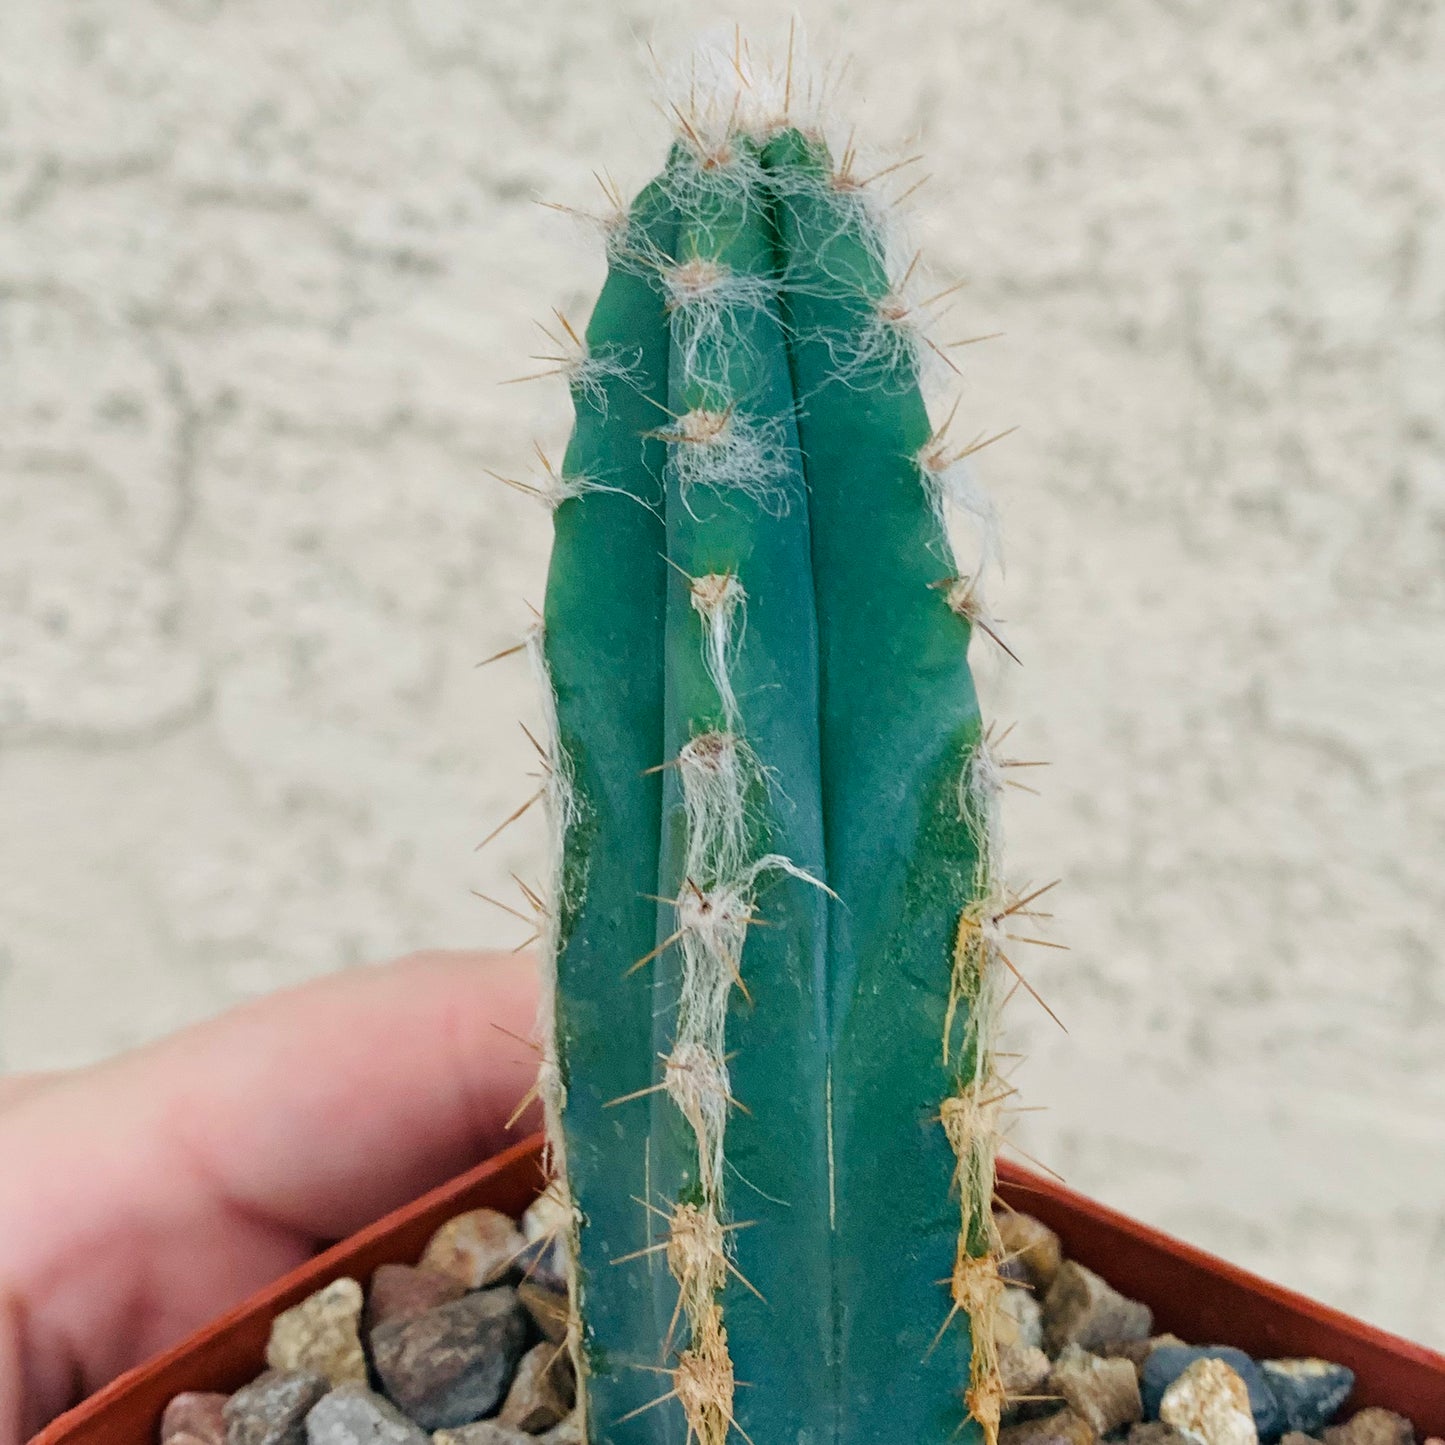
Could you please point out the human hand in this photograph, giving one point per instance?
(145, 1195)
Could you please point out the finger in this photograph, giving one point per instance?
(325, 1107)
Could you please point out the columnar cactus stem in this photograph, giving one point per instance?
(778, 925)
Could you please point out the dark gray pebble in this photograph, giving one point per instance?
(1310, 1392)
(452, 1364)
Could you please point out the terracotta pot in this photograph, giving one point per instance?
(1191, 1292)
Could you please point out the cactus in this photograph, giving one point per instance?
(777, 925)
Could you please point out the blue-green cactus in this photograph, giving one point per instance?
(776, 953)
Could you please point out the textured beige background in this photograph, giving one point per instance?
(262, 266)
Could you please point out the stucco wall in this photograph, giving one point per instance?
(262, 266)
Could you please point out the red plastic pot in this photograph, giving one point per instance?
(1192, 1293)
